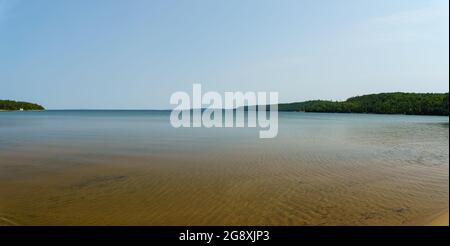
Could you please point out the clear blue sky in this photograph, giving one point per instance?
(133, 54)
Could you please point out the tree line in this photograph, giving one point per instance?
(17, 105)
(383, 103)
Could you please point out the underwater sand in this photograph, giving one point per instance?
(122, 168)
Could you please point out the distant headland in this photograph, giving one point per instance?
(9, 105)
(383, 103)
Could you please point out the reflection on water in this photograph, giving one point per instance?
(133, 168)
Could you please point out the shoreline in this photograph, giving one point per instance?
(2, 110)
(168, 110)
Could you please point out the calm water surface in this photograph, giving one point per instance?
(133, 168)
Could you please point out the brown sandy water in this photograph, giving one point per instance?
(66, 168)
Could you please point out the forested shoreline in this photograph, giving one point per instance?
(9, 105)
(383, 103)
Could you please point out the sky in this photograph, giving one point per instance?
(121, 54)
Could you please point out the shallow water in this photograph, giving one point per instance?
(133, 168)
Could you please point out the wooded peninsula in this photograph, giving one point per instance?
(383, 103)
(9, 105)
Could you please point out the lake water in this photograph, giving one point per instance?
(133, 168)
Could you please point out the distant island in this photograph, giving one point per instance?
(9, 105)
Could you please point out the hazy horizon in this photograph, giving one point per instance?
(134, 55)
(169, 108)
